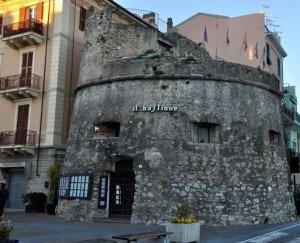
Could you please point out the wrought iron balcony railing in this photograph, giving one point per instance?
(25, 80)
(12, 138)
(288, 112)
(30, 25)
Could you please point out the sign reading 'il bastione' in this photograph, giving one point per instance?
(154, 108)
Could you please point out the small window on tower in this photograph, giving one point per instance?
(204, 133)
(107, 129)
(274, 137)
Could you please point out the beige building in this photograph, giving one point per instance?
(245, 39)
(39, 62)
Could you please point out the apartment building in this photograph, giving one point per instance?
(40, 50)
(249, 39)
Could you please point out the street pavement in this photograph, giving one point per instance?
(44, 228)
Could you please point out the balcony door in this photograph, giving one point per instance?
(26, 71)
(22, 124)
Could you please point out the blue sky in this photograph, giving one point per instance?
(284, 15)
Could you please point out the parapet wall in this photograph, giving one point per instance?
(128, 42)
(105, 41)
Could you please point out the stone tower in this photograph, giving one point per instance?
(158, 123)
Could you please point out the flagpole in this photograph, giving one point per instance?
(226, 42)
(245, 45)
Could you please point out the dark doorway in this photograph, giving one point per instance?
(122, 188)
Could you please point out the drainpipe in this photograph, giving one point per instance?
(71, 74)
(43, 94)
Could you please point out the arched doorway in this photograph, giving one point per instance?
(121, 190)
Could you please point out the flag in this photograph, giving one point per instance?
(264, 52)
(205, 37)
(245, 44)
(256, 50)
(227, 38)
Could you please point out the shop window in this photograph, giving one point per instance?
(76, 186)
(204, 133)
(82, 18)
(108, 129)
(274, 137)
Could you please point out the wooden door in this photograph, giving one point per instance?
(22, 124)
(26, 71)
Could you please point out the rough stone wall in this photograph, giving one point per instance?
(105, 41)
(239, 178)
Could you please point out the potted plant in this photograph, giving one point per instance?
(53, 175)
(185, 228)
(5, 229)
(34, 202)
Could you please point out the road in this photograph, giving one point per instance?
(43, 228)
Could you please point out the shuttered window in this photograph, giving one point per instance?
(39, 12)
(22, 14)
(32, 12)
(82, 18)
(1, 21)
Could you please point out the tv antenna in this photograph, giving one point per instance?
(263, 7)
(270, 23)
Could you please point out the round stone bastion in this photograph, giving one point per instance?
(157, 131)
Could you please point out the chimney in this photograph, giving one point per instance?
(150, 19)
(169, 24)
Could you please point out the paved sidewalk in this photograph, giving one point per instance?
(44, 228)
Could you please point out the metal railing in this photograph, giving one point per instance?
(22, 27)
(161, 25)
(25, 137)
(28, 80)
(288, 112)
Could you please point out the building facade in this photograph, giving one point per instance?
(39, 60)
(158, 123)
(291, 121)
(247, 39)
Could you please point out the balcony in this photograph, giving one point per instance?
(23, 34)
(17, 141)
(20, 86)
